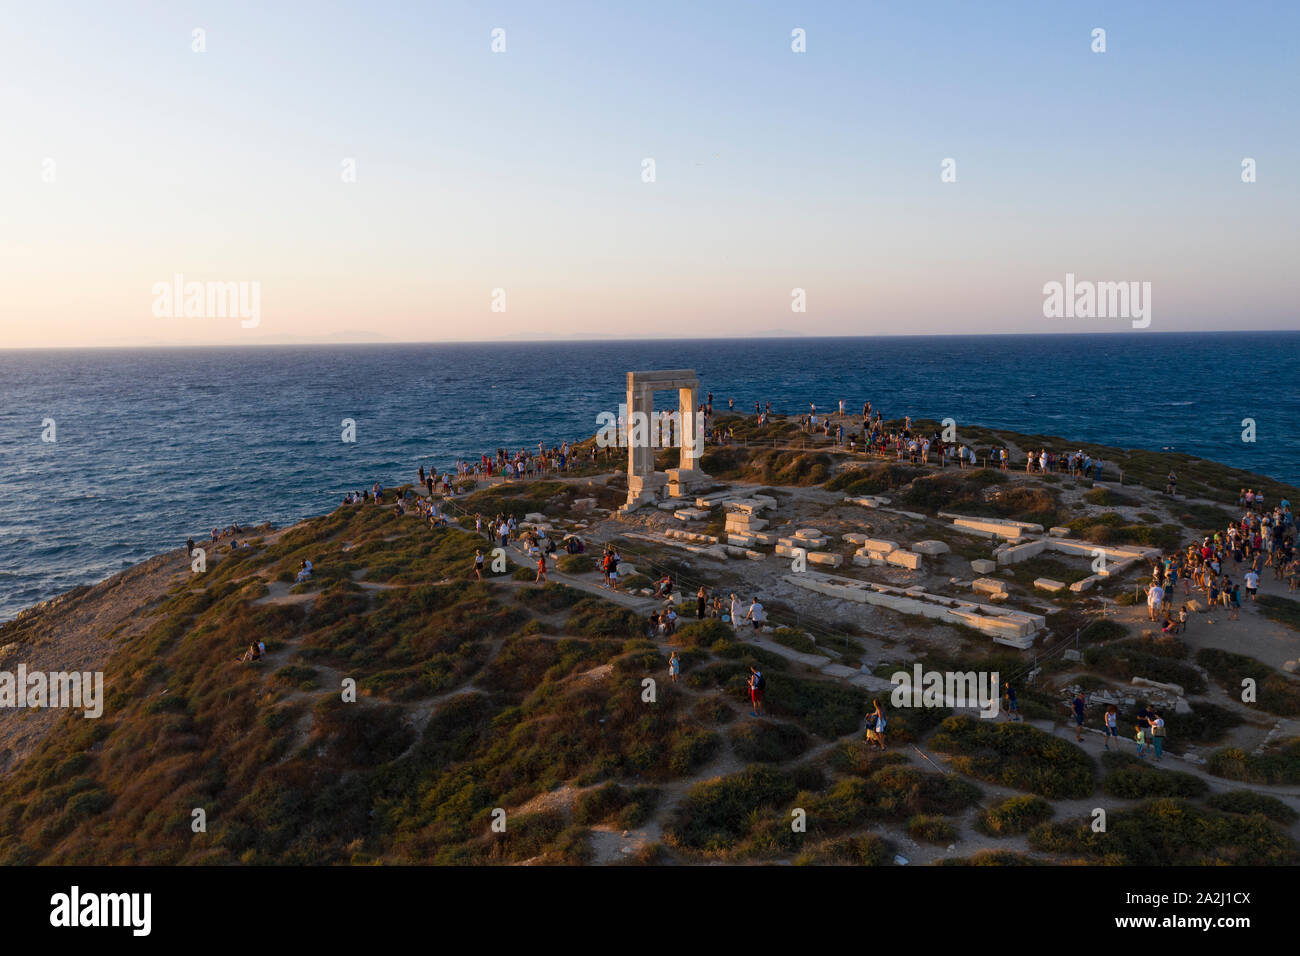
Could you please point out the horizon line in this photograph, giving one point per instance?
(576, 340)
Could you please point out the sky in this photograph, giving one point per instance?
(503, 195)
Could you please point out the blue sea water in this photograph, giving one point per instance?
(154, 445)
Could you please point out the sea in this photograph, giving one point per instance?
(151, 446)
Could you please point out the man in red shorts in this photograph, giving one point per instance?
(756, 684)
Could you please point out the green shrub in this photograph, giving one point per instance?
(1275, 692)
(1170, 832)
(1015, 755)
(865, 850)
(873, 479)
(1014, 815)
(630, 807)
(1134, 779)
(1128, 659)
(1110, 498)
(993, 858)
(1283, 610)
(794, 639)
(716, 814)
(691, 749)
(1280, 765)
(930, 829)
(1247, 802)
(575, 563)
(596, 618)
(1103, 630)
(767, 742)
(704, 633)
(898, 792)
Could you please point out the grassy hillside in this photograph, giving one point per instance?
(478, 697)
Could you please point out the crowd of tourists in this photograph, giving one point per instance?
(1222, 564)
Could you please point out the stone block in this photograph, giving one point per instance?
(931, 547)
(868, 501)
(742, 540)
(1047, 584)
(983, 566)
(992, 528)
(1058, 531)
(988, 586)
(1021, 552)
(905, 559)
(834, 560)
(690, 514)
(879, 544)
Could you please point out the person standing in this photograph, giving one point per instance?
(1009, 692)
(478, 564)
(1078, 707)
(878, 722)
(674, 667)
(541, 570)
(755, 615)
(1111, 728)
(1157, 724)
(735, 613)
(1155, 600)
(757, 684)
(701, 602)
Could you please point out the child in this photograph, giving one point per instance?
(1139, 735)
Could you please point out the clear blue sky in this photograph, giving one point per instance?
(522, 170)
